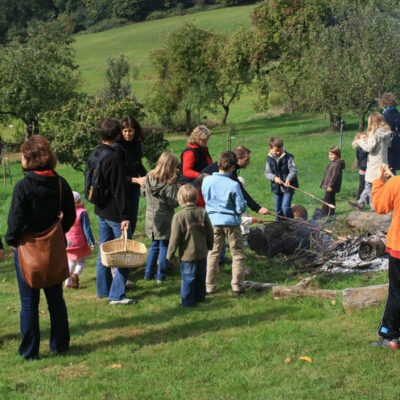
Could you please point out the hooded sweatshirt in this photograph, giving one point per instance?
(377, 146)
(161, 200)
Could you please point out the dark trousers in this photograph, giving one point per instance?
(29, 325)
(329, 198)
(361, 185)
(193, 287)
(135, 196)
(390, 324)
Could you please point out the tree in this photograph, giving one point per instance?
(117, 79)
(183, 73)
(230, 68)
(37, 76)
(364, 58)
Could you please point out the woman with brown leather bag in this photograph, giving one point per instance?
(42, 211)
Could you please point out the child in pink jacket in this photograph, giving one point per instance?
(80, 242)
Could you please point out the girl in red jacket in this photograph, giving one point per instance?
(80, 242)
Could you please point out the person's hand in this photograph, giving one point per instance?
(259, 221)
(1, 255)
(140, 181)
(124, 225)
(263, 211)
(384, 172)
(329, 189)
(92, 247)
(354, 145)
(287, 183)
(278, 180)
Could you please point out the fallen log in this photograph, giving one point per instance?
(363, 297)
(371, 248)
(258, 286)
(283, 292)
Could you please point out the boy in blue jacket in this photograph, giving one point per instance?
(225, 204)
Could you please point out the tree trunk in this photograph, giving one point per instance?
(226, 109)
(188, 121)
(361, 121)
(335, 121)
(28, 132)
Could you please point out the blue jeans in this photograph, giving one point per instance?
(135, 196)
(29, 324)
(158, 251)
(114, 288)
(283, 205)
(193, 287)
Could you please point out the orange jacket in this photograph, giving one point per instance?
(386, 197)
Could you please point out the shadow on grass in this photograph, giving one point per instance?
(181, 331)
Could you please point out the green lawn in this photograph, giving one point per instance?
(227, 348)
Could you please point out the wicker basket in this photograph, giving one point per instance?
(123, 252)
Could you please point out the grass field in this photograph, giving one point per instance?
(227, 348)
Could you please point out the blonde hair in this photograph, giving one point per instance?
(165, 170)
(375, 121)
(199, 133)
(359, 134)
(187, 194)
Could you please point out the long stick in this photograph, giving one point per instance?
(311, 195)
(307, 224)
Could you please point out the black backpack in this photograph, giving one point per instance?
(95, 190)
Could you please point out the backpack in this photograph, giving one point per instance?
(95, 190)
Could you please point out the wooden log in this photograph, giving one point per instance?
(258, 286)
(283, 292)
(363, 297)
(371, 248)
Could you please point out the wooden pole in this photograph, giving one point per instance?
(311, 195)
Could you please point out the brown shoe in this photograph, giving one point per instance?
(75, 281)
(360, 206)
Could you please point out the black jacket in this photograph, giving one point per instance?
(362, 158)
(35, 206)
(117, 207)
(1, 244)
(392, 117)
(253, 205)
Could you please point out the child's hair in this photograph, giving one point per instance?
(131, 122)
(375, 121)
(165, 170)
(335, 150)
(388, 100)
(359, 134)
(187, 194)
(38, 153)
(77, 197)
(199, 133)
(242, 182)
(199, 180)
(275, 141)
(226, 160)
(241, 152)
(109, 129)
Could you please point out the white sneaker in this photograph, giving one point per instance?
(124, 301)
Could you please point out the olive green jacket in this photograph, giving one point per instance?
(161, 199)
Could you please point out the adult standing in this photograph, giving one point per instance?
(388, 102)
(1, 251)
(129, 149)
(243, 160)
(35, 208)
(113, 213)
(195, 157)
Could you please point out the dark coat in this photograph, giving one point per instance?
(333, 176)
(117, 208)
(362, 158)
(35, 206)
(392, 117)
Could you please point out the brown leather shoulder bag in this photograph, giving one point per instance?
(42, 256)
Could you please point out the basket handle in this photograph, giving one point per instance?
(125, 237)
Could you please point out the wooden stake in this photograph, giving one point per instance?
(311, 195)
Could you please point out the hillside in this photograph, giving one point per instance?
(138, 40)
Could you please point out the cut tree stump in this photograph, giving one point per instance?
(283, 292)
(363, 297)
(372, 247)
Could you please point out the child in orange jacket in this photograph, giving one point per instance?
(385, 198)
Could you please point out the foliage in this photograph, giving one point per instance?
(38, 75)
(72, 128)
(153, 145)
(117, 79)
(183, 73)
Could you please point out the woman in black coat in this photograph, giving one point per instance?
(35, 208)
